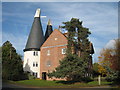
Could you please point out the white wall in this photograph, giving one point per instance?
(29, 59)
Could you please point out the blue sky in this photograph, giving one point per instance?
(101, 19)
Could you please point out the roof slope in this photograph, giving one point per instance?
(56, 38)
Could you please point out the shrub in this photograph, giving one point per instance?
(87, 79)
(112, 77)
(31, 76)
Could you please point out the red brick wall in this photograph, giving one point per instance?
(51, 40)
(55, 47)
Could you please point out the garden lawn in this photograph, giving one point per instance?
(58, 84)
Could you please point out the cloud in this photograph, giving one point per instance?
(110, 44)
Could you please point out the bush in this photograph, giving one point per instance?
(24, 76)
(31, 76)
(87, 79)
(112, 77)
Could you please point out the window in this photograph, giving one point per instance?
(56, 38)
(36, 64)
(35, 53)
(48, 52)
(36, 74)
(33, 73)
(63, 50)
(33, 64)
(49, 63)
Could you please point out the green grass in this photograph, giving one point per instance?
(38, 83)
(57, 84)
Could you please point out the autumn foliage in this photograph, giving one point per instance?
(109, 56)
(109, 60)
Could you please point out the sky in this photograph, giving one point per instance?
(60, 0)
(101, 19)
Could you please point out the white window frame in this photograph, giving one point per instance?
(48, 52)
(56, 39)
(63, 50)
(48, 63)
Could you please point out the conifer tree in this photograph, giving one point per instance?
(78, 55)
(11, 63)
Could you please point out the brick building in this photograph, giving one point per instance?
(52, 50)
(42, 53)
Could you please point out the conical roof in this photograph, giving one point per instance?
(36, 38)
(49, 30)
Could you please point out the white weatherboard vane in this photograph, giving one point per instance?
(43, 16)
(37, 14)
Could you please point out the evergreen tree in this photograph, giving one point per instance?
(71, 68)
(11, 63)
(78, 42)
(79, 50)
